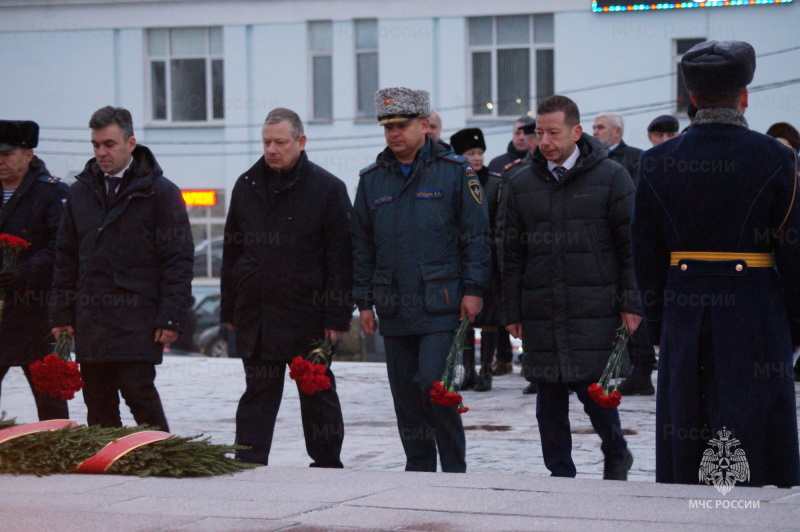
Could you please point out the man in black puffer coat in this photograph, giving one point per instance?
(287, 273)
(123, 278)
(31, 209)
(567, 277)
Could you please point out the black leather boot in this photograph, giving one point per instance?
(469, 362)
(488, 346)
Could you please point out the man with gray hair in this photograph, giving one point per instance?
(608, 128)
(123, 275)
(421, 244)
(287, 272)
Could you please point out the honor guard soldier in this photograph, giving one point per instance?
(422, 258)
(31, 208)
(717, 260)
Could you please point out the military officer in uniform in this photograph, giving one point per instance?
(422, 257)
(717, 261)
(31, 208)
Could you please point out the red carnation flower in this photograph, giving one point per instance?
(56, 378)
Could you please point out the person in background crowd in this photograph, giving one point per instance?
(122, 284)
(505, 354)
(567, 278)
(283, 293)
(717, 263)
(469, 143)
(422, 257)
(517, 148)
(434, 130)
(31, 208)
(609, 128)
(786, 133)
(662, 129)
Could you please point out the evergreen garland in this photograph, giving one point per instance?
(61, 451)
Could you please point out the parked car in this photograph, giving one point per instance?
(205, 251)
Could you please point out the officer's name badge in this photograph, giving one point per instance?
(426, 194)
(382, 199)
(476, 191)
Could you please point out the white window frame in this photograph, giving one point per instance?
(493, 48)
(166, 59)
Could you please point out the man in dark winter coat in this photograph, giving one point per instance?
(717, 260)
(422, 258)
(122, 283)
(31, 209)
(287, 272)
(517, 148)
(608, 128)
(567, 278)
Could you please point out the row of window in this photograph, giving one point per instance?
(510, 68)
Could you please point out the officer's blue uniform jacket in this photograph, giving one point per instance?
(420, 243)
(725, 332)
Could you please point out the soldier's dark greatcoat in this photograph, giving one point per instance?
(726, 332)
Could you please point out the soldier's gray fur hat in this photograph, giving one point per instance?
(395, 105)
(715, 67)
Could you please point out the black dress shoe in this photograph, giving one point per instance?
(618, 469)
(484, 382)
(468, 382)
(637, 385)
(531, 389)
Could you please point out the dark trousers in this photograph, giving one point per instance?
(552, 413)
(413, 364)
(321, 413)
(643, 355)
(505, 352)
(46, 407)
(135, 381)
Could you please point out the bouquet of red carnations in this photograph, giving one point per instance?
(310, 372)
(444, 391)
(11, 246)
(599, 391)
(57, 375)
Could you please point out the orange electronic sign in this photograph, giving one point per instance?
(200, 198)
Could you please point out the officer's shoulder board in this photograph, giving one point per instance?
(453, 158)
(495, 174)
(368, 169)
(49, 179)
(512, 164)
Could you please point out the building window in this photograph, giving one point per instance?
(682, 95)
(510, 56)
(366, 66)
(186, 74)
(208, 229)
(320, 46)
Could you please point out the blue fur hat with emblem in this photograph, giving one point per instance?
(396, 105)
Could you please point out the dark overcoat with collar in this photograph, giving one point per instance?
(421, 242)
(725, 336)
(32, 213)
(628, 157)
(123, 270)
(287, 262)
(567, 272)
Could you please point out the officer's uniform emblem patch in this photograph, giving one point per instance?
(476, 191)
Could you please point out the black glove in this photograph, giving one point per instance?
(11, 280)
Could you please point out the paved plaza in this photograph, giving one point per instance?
(507, 486)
